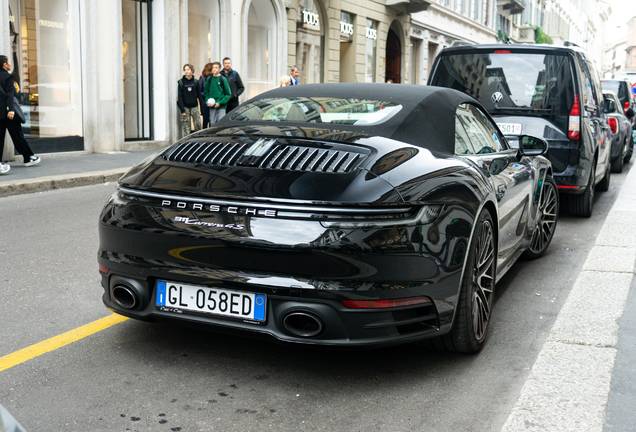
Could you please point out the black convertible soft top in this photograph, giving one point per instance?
(426, 120)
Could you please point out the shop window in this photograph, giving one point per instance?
(348, 60)
(309, 43)
(204, 33)
(137, 52)
(371, 44)
(261, 48)
(45, 40)
(346, 27)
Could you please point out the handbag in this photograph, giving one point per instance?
(18, 111)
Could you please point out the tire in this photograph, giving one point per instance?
(547, 220)
(604, 185)
(630, 146)
(581, 205)
(617, 164)
(477, 292)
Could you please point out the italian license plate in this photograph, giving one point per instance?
(175, 296)
(510, 128)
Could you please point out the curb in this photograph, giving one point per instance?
(43, 184)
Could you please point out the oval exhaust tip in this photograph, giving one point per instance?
(125, 296)
(303, 324)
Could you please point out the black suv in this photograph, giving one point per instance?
(540, 90)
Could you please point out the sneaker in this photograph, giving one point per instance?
(4, 168)
(32, 161)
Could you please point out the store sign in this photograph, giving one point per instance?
(371, 33)
(52, 24)
(310, 18)
(346, 28)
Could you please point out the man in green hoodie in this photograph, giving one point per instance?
(217, 93)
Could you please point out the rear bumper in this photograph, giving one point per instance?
(340, 326)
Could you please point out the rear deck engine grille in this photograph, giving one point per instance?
(269, 155)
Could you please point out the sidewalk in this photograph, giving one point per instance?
(581, 381)
(59, 171)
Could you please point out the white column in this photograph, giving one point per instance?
(102, 75)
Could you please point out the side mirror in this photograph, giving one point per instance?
(590, 108)
(629, 113)
(532, 146)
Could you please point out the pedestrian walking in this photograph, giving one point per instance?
(205, 110)
(188, 100)
(9, 119)
(235, 83)
(293, 75)
(217, 93)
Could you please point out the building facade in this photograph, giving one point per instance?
(444, 23)
(101, 76)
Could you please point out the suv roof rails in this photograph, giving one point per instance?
(461, 43)
(568, 43)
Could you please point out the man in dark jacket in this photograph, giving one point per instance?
(8, 119)
(188, 100)
(234, 80)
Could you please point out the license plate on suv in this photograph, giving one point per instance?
(176, 296)
(510, 128)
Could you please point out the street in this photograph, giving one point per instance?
(153, 377)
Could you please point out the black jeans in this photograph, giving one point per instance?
(15, 131)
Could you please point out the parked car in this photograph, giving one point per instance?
(621, 128)
(387, 223)
(547, 91)
(624, 91)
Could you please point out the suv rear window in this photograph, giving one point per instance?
(507, 82)
(616, 87)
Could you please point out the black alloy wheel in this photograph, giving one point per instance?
(582, 204)
(477, 293)
(546, 220)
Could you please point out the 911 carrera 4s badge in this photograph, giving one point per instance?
(193, 221)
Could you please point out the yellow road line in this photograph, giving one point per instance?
(59, 341)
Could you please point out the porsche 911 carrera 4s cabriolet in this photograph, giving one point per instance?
(336, 215)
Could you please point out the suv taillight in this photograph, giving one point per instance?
(626, 106)
(575, 119)
(613, 124)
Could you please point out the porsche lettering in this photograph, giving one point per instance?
(214, 208)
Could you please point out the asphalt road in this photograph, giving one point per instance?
(152, 377)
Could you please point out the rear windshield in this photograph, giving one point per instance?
(614, 86)
(359, 112)
(511, 83)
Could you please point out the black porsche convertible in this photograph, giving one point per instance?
(339, 215)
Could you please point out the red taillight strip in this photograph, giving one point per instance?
(382, 304)
(574, 123)
(568, 187)
(104, 269)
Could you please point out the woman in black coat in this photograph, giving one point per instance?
(8, 119)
